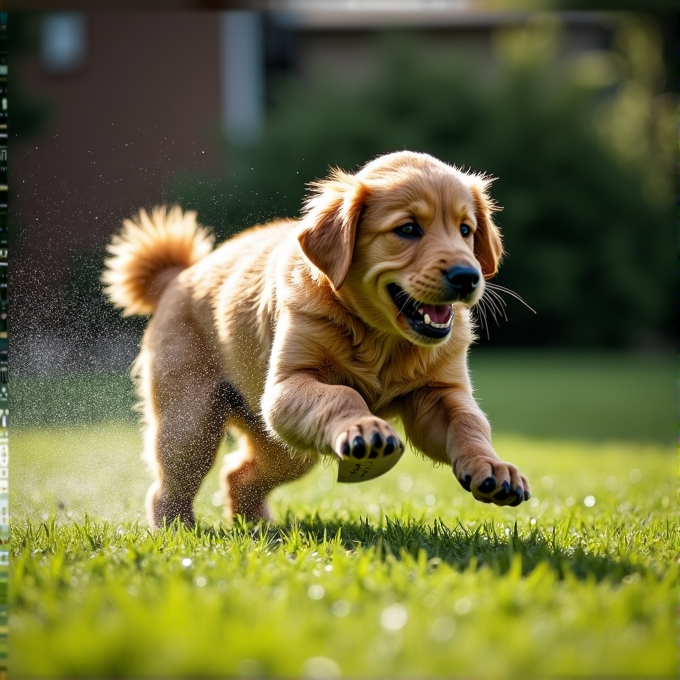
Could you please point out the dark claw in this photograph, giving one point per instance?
(488, 485)
(391, 445)
(358, 447)
(344, 450)
(519, 491)
(527, 495)
(504, 492)
(465, 482)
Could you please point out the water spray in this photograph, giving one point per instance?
(4, 349)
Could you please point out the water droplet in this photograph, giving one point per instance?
(404, 482)
(340, 608)
(325, 482)
(463, 606)
(443, 628)
(316, 592)
(320, 667)
(249, 668)
(635, 476)
(394, 617)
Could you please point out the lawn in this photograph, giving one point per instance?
(404, 576)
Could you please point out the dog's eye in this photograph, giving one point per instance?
(409, 230)
(465, 230)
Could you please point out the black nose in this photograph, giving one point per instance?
(463, 280)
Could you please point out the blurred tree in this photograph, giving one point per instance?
(587, 220)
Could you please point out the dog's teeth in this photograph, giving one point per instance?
(421, 310)
(434, 324)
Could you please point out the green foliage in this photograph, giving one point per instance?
(587, 247)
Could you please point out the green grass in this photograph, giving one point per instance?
(587, 395)
(405, 576)
(578, 395)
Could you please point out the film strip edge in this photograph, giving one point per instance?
(4, 353)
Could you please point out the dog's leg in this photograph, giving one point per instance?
(331, 419)
(307, 402)
(185, 415)
(447, 425)
(259, 465)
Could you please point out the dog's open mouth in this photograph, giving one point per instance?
(432, 321)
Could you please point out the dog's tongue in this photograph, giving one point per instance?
(438, 313)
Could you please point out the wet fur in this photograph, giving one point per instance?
(286, 335)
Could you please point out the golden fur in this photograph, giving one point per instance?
(288, 335)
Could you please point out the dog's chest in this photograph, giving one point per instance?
(381, 377)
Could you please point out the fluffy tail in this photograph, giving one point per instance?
(148, 253)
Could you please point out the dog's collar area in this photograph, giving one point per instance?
(432, 321)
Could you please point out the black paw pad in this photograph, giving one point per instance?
(358, 447)
(516, 502)
(391, 446)
(376, 444)
(465, 482)
(527, 495)
(488, 485)
(344, 450)
(504, 492)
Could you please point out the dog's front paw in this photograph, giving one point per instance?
(369, 437)
(490, 480)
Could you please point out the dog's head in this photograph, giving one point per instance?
(402, 241)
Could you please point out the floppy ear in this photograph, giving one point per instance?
(329, 225)
(488, 244)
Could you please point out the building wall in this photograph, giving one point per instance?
(143, 105)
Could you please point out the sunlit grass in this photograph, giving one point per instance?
(401, 576)
(404, 576)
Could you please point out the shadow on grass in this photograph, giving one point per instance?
(457, 546)
(566, 552)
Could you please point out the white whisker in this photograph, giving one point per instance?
(480, 312)
(497, 302)
(496, 287)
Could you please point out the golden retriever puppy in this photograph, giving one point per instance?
(309, 337)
